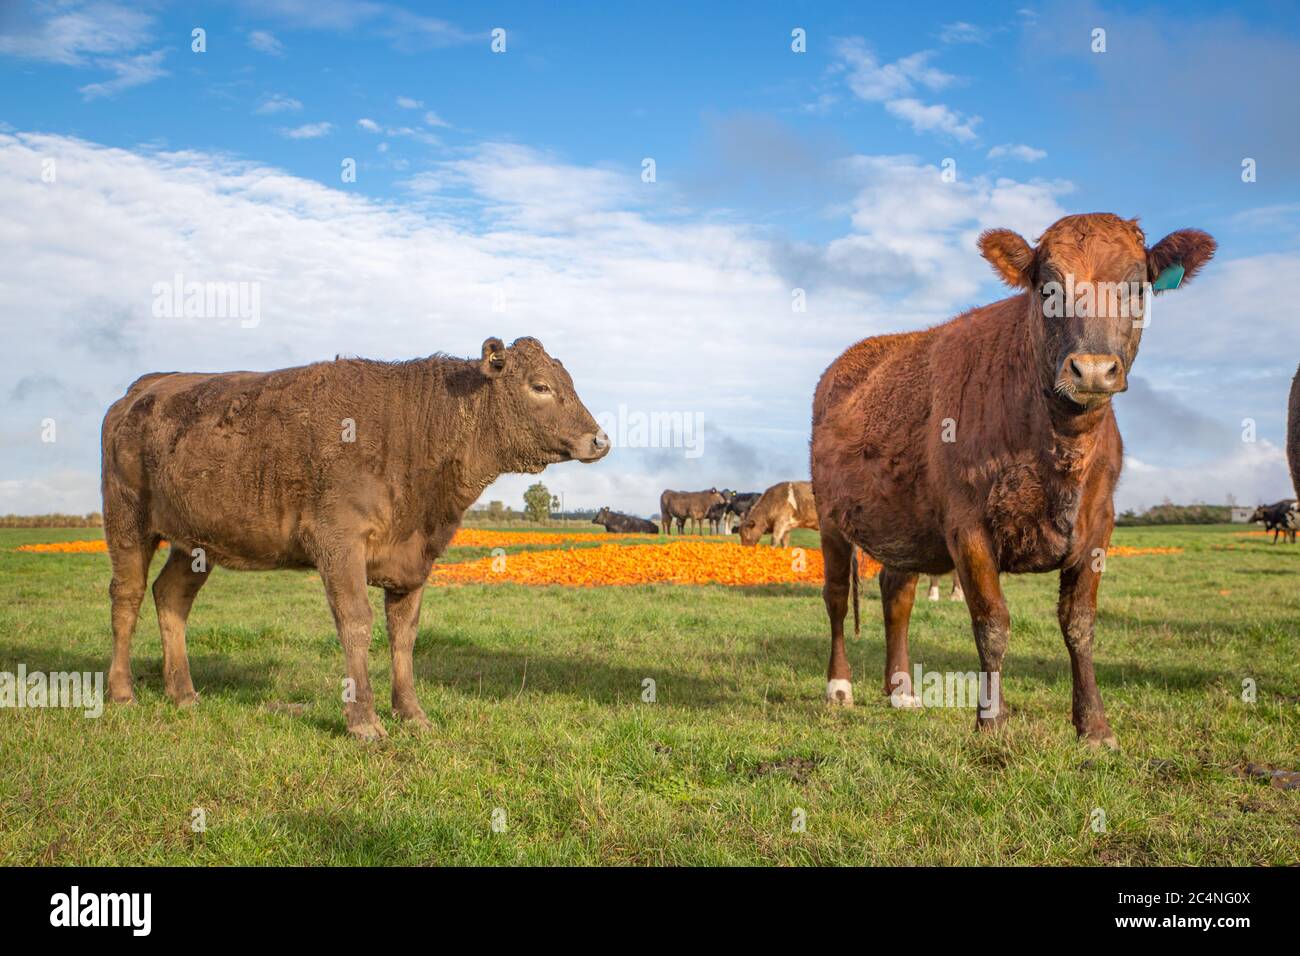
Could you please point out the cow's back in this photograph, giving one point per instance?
(244, 463)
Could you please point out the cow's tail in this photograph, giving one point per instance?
(853, 570)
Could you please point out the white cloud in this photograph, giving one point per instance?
(894, 84)
(1019, 151)
(76, 34)
(934, 118)
(433, 119)
(370, 126)
(871, 80)
(264, 42)
(131, 71)
(406, 31)
(278, 103)
(913, 234)
(407, 103)
(308, 131)
(962, 32)
(1252, 473)
(100, 35)
(423, 183)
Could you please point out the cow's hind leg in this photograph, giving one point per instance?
(933, 593)
(837, 556)
(897, 594)
(173, 595)
(345, 588)
(126, 592)
(402, 609)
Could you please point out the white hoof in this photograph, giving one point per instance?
(904, 701)
(957, 595)
(839, 691)
(934, 592)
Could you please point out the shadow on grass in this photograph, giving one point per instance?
(496, 674)
(800, 653)
(243, 680)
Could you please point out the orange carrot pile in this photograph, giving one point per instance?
(465, 538)
(1124, 551)
(67, 547)
(484, 538)
(681, 562)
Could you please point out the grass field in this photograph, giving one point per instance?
(535, 694)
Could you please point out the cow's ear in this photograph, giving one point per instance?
(1010, 256)
(1178, 257)
(494, 357)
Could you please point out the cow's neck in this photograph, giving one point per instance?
(456, 438)
(1071, 432)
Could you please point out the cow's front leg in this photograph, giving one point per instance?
(345, 587)
(402, 609)
(1077, 612)
(977, 569)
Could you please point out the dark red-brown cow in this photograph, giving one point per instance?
(989, 444)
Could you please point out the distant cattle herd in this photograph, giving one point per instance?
(982, 446)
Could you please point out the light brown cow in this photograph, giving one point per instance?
(782, 508)
(989, 444)
(679, 506)
(359, 469)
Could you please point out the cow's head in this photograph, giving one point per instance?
(1088, 280)
(716, 497)
(601, 516)
(1257, 515)
(543, 420)
(752, 528)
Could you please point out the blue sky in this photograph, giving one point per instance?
(481, 171)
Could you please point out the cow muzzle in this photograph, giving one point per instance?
(1089, 378)
(591, 447)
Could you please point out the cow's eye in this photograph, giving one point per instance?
(541, 388)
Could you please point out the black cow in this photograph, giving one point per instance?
(736, 504)
(1281, 518)
(618, 523)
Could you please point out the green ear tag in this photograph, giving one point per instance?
(1169, 278)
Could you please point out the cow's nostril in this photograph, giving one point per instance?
(601, 440)
(1075, 370)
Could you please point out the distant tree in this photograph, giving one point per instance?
(496, 510)
(537, 502)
